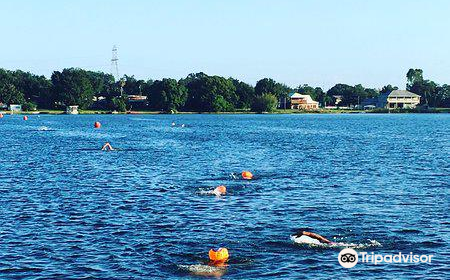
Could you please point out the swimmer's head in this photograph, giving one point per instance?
(220, 190)
(300, 231)
(218, 256)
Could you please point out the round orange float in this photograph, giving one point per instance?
(220, 255)
(97, 125)
(1, 116)
(25, 118)
(247, 175)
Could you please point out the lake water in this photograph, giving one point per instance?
(71, 211)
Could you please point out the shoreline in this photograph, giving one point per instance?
(277, 112)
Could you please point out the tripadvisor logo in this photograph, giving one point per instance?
(348, 258)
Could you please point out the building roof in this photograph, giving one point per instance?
(402, 93)
(303, 96)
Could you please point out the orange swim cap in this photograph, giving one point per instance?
(247, 175)
(221, 190)
(221, 255)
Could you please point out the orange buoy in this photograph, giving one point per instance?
(247, 175)
(220, 255)
(1, 116)
(97, 125)
(220, 190)
(25, 118)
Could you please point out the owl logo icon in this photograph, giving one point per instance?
(348, 258)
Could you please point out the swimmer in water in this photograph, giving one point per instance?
(245, 175)
(43, 128)
(107, 147)
(306, 237)
(217, 265)
(174, 124)
(309, 238)
(219, 191)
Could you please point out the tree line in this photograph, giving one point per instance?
(197, 92)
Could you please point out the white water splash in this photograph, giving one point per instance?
(203, 270)
(315, 243)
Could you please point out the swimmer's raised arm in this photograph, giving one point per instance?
(107, 146)
(316, 236)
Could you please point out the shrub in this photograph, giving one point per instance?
(221, 105)
(29, 106)
(265, 103)
(120, 104)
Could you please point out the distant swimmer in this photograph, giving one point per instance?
(219, 191)
(174, 124)
(44, 128)
(245, 175)
(107, 147)
(216, 267)
(305, 237)
(309, 238)
(182, 125)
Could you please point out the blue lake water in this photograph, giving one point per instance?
(71, 211)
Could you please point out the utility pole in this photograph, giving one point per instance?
(114, 64)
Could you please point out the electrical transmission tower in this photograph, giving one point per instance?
(114, 64)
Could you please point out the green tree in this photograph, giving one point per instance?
(317, 94)
(221, 105)
(132, 86)
(432, 95)
(268, 85)
(388, 89)
(119, 103)
(29, 106)
(245, 93)
(371, 92)
(267, 102)
(73, 87)
(9, 94)
(307, 90)
(443, 96)
(358, 95)
(103, 84)
(352, 95)
(413, 76)
(167, 95)
(347, 93)
(36, 89)
(203, 92)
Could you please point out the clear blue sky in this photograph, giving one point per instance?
(319, 42)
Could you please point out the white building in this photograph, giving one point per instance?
(303, 101)
(402, 99)
(15, 108)
(72, 110)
